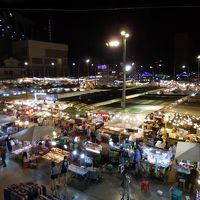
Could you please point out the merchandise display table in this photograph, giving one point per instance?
(78, 170)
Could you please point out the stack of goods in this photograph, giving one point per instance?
(23, 191)
(56, 155)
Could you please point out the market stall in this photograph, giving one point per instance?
(155, 161)
(187, 155)
(114, 133)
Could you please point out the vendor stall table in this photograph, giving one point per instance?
(93, 147)
(78, 170)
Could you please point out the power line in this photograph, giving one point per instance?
(102, 9)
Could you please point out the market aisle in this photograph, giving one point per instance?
(107, 189)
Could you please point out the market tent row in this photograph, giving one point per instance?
(188, 151)
(35, 133)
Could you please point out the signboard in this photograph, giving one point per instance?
(102, 67)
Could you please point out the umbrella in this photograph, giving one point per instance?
(188, 151)
(34, 133)
(5, 119)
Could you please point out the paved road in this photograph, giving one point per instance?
(127, 97)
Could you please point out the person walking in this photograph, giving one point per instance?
(8, 142)
(64, 170)
(125, 186)
(54, 175)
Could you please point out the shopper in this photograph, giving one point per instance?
(8, 142)
(54, 175)
(192, 179)
(125, 186)
(64, 170)
(3, 156)
(137, 158)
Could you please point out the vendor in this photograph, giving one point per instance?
(192, 179)
(25, 160)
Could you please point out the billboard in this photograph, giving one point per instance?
(102, 67)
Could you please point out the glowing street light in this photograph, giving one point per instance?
(87, 61)
(113, 43)
(183, 66)
(73, 64)
(133, 64)
(26, 63)
(52, 64)
(198, 59)
(128, 68)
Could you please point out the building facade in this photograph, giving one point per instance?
(11, 69)
(42, 59)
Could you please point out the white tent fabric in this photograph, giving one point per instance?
(35, 133)
(188, 151)
(5, 119)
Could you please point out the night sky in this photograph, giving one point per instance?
(152, 32)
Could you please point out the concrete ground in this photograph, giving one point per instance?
(108, 188)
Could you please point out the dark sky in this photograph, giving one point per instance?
(152, 32)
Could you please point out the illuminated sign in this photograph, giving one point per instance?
(102, 67)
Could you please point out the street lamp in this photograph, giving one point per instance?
(116, 43)
(87, 61)
(113, 43)
(152, 70)
(124, 35)
(198, 59)
(184, 67)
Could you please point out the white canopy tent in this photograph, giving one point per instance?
(35, 133)
(5, 119)
(188, 151)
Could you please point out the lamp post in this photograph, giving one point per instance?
(184, 67)
(88, 61)
(26, 64)
(124, 35)
(116, 43)
(198, 59)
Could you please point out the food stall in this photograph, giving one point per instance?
(155, 161)
(114, 133)
(187, 155)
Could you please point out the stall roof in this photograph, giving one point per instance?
(188, 151)
(34, 133)
(5, 119)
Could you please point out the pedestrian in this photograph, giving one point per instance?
(9, 145)
(3, 156)
(125, 185)
(137, 158)
(64, 170)
(54, 175)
